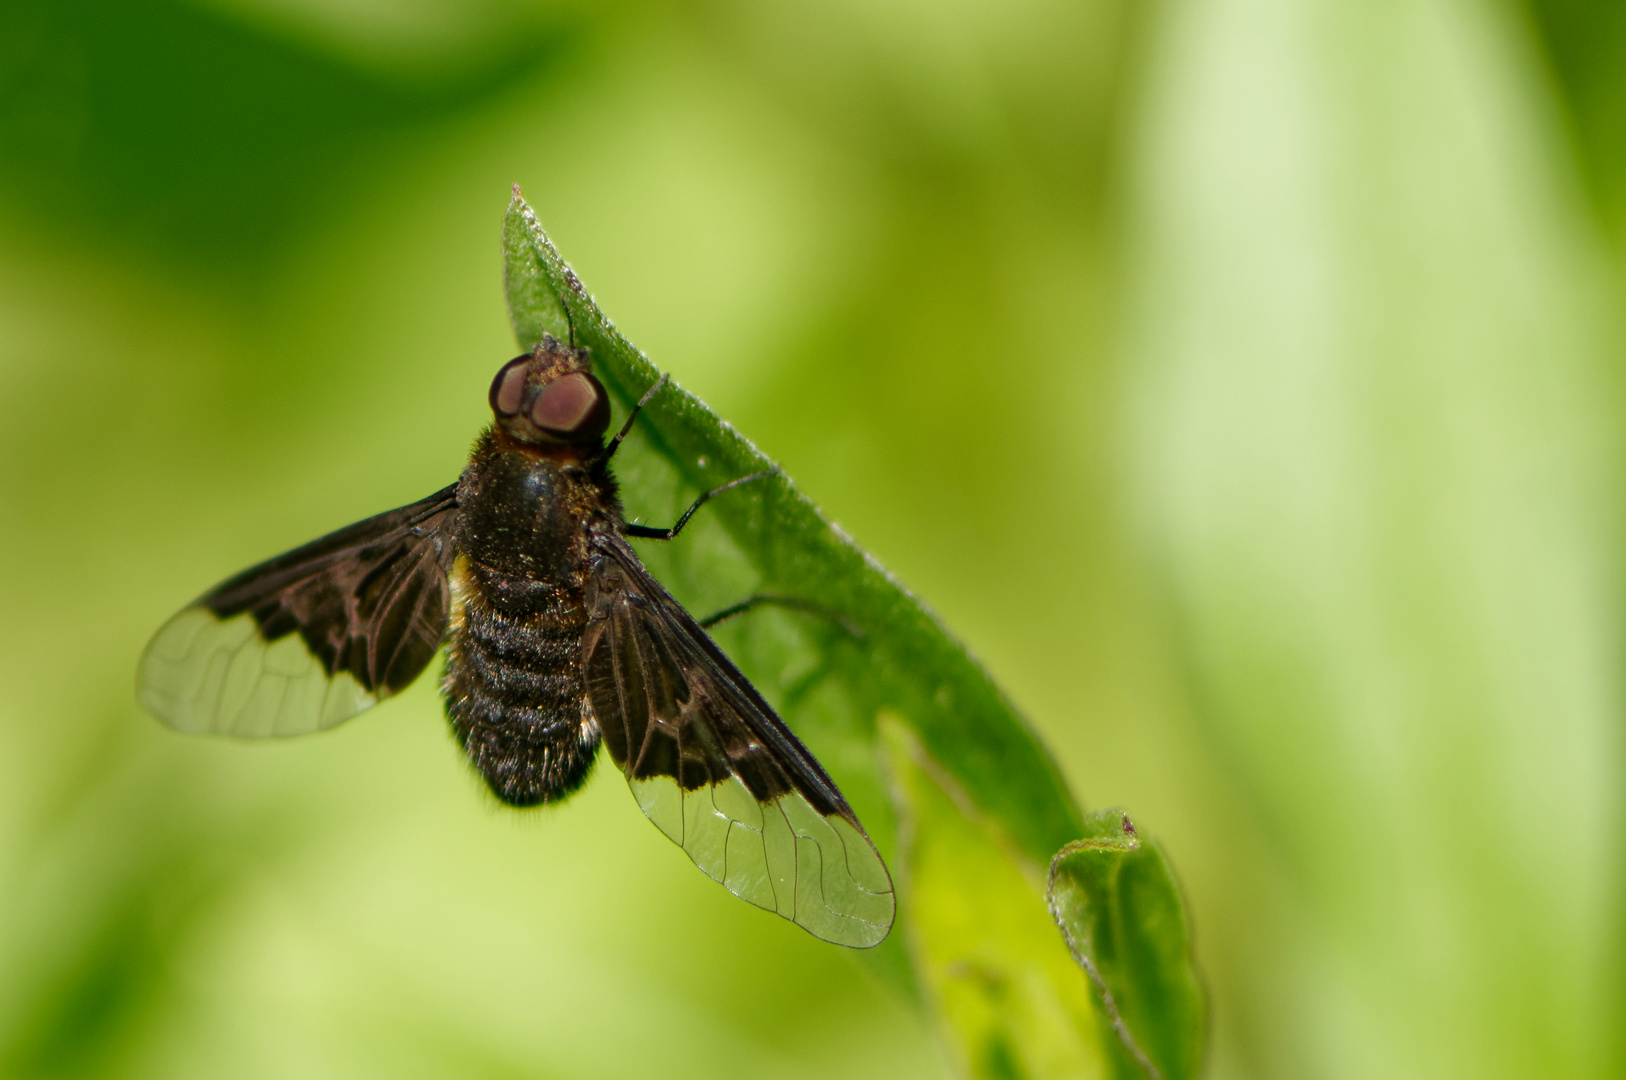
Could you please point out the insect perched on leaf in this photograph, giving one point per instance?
(556, 638)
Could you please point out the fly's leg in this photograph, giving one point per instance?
(795, 603)
(609, 451)
(647, 533)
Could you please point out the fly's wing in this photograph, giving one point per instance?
(309, 638)
(716, 770)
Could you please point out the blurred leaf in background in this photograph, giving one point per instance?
(1378, 441)
(1236, 377)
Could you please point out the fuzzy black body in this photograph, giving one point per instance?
(513, 684)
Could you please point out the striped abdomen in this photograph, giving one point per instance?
(513, 684)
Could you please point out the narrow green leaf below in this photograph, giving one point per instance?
(1119, 909)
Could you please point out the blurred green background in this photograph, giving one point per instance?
(1238, 378)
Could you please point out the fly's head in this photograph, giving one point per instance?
(550, 399)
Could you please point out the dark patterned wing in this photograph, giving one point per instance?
(312, 637)
(716, 770)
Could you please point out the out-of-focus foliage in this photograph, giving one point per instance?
(1235, 377)
(1377, 450)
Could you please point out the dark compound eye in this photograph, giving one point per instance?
(573, 404)
(508, 388)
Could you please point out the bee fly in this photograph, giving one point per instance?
(557, 639)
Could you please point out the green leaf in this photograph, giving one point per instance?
(979, 800)
(1117, 904)
(904, 661)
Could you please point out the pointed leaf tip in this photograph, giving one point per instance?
(534, 279)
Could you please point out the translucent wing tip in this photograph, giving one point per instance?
(201, 674)
(822, 873)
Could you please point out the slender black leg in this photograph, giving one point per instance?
(609, 451)
(794, 602)
(647, 533)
